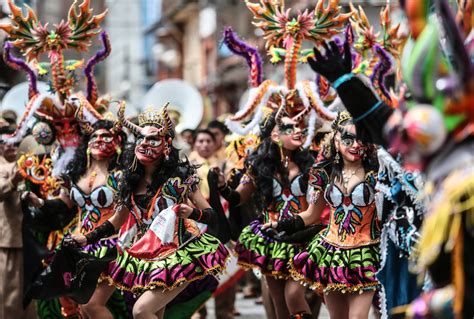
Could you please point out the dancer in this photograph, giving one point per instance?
(341, 260)
(93, 174)
(436, 137)
(163, 245)
(277, 174)
(50, 117)
(277, 171)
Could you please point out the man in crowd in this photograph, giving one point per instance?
(220, 131)
(203, 154)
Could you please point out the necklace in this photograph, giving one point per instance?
(346, 177)
(92, 179)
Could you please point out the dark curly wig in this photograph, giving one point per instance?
(78, 166)
(265, 163)
(171, 167)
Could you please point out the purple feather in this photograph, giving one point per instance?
(242, 49)
(91, 63)
(382, 69)
(17, 63)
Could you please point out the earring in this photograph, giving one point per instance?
(283, 158)
(167, 152)
(118, 150)
(280, 146)
(168, 148)
(88, 153)
(133, 167)
(337, 158)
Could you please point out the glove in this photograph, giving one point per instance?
(290, 225)
(103, 231)
(302, 236)
(333, 64)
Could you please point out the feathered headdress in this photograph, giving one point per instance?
(284, 36)
(33, 39)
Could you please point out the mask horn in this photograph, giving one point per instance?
(280, 113)
(85, 126)
(121, 118)
(168, 123)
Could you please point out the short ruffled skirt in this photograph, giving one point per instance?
(326, 267)
(258, 251)
(202, 256)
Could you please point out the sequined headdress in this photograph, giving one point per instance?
(150, 117)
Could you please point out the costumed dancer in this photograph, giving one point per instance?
(277, 170)
(163, 245)
(93, 176)
(436, 137)
(277, 173)
(50, 117)
(342, 259)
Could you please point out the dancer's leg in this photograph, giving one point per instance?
(96, 308)
(295, 297)
(359, 305)
(277, 291)
(338, 305)
(151, 304)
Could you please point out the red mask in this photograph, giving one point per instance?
(67, 132)
(150, 146)
(103, 144)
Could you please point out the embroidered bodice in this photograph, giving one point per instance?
(353, 220)
(96, 207)
(173, 191)
(287, 200)
(136, 235)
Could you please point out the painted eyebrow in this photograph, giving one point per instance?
(289, 125)
(101, 134)
(348, 134)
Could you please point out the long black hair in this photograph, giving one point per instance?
(78, 165)
(265, 163)
(171, 167)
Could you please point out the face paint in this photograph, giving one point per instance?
(291, 135)
(150, 146)
(351, 149)
(102, 144)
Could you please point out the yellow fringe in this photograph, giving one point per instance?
(444, 221)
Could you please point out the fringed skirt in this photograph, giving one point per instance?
(202, 256)
(326, 267)
(256, 250)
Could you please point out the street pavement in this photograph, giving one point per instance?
(250, 310)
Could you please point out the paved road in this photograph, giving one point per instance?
(250, 310)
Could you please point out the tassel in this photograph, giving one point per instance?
(118, 150)
(133, 167)
(88, 152)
